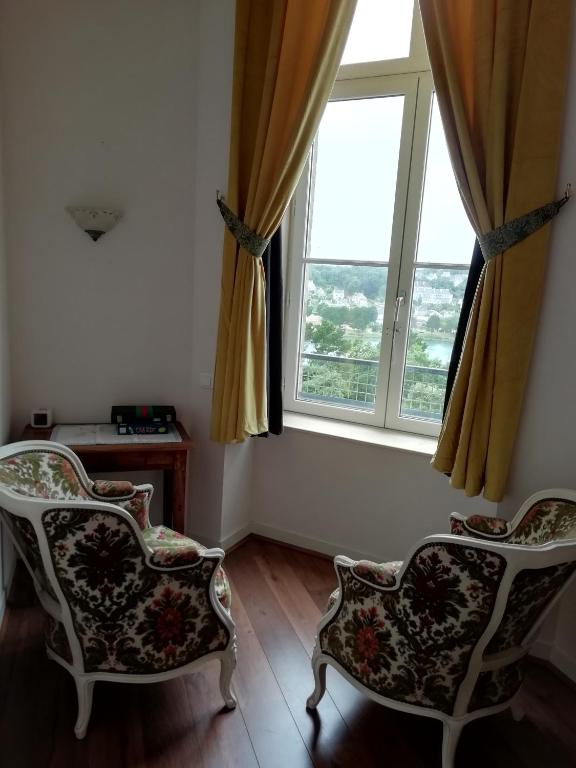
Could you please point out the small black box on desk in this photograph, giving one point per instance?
(142, 414)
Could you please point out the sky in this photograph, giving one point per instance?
(357, 161)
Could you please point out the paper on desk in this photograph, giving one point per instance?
(105, 434)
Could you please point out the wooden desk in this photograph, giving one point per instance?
(120, 457)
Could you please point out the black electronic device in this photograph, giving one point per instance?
(143, 414)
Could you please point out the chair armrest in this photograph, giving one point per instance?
(139, 505)
(176, 558)
(479, 526)
(112, 489)
(193, 556)
(378, 574)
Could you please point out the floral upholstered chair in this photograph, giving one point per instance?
(444, 633)
(125, 601)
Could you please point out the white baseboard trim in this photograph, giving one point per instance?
(556, 657)
(563, 662)
(305, 542)
(206, 541)
(225, 542)
(542, 650)
(233, 538)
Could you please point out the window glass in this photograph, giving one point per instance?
(342, 330)
(356, 163)
(446, 235)
(380, 30)
(377, 219)
(436, 302)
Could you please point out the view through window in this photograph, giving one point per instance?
(380, 242)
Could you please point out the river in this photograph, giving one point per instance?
(441, 350)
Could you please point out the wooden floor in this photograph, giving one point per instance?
(278, 598)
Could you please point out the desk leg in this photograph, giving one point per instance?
(175, 494)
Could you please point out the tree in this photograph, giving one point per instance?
(363, 351)
(418, 353)
(361, 317)
(333, 315)
(327, 338)
(433, 323)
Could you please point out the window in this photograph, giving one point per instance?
(380, 245)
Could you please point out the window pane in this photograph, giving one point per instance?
(436, 302)
(342, 317)
(446, 235)
(356, 158)
(381, 29)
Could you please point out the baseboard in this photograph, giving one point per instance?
(234, 539)
(320, 546)
(564, 663)
(227, 542)
(542, 650)
(206, 541)
(555, 659)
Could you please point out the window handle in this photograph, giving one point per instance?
(398, 303)
(400, 299)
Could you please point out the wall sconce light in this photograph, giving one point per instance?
(94, 221)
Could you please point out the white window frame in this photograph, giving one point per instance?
(412, 78)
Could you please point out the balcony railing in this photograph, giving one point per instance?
(352, 382)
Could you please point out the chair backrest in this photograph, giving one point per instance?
(426, 637)
(112, 607)
(34, 475)
(412, 640)
(546, 518)
(41, 470)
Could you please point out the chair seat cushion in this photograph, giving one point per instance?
(173, 549)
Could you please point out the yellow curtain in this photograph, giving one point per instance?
(499, 69)
(287, 54)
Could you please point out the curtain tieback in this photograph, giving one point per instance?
(500, 239)
(246, 238)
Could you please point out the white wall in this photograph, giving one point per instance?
(353, 498)
(99, 107)
(213, 105)
(545, 455)
(237, 494)
(123, 103)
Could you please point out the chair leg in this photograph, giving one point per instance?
(227, 667)
(319, 670)
(84, 689)
(517, 711)
(451, 736)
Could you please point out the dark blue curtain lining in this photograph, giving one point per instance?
(473, 277)
(272, 261)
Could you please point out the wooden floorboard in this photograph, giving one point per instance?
(278, 598)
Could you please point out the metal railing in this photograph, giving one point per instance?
(352, 382)
(423, 392)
